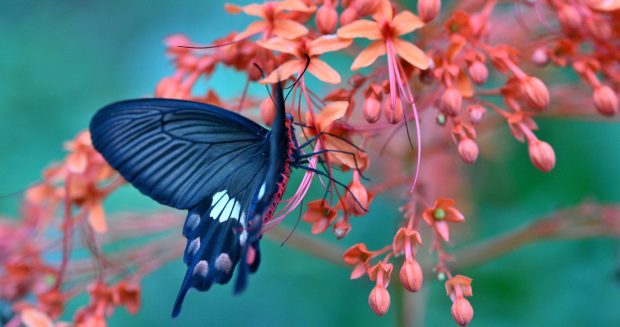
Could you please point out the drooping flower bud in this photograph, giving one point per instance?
(366, 7)
(379, 300)
(569, 18)
(428, 9)
(541, 155)
(372, 103)
(411, 275)
(348, 15)
(536, 93)
(468, 150)
(478, 72)
(267, 111)
(462, 311)
(540, 57)
(476, 113)
(450, 102)
(342, 228)
(357, 198)
(326, 18)
(606, 100)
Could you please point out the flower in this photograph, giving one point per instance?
(411, 275)
(385, 31)
(320, 214)
(440, 215)
(301, 49)
(379, 298)
(459, 287)
(358, 256)
(357, 200)
(275, 20)
(606, 100)
(428, 9)
(542, 155)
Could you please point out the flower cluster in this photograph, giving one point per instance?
(448, 72)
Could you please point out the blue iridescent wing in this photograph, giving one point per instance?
(193, 156)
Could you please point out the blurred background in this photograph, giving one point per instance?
(60, 61)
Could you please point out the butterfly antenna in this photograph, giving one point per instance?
(262, 74)
(19, 192)
(211, 46)
(298, 78)
(322, 173)
(295, 226)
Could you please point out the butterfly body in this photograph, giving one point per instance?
(227, 171)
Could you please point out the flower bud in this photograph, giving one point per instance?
(326, 18)
(606, 100)
(394, 115)
(366, 7)
(569, 18)
(540, 57)
(536, 93)
(428, 9)
(476, 113)
(462, 312)
(542, 155)
(450, 102)
(478, 72)
(357, 199)
(411, 275)
(468, 150)
(379, 300)
(267, 111)
(342, 228)
(372, 110)
(348, 15)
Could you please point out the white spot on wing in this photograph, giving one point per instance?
(261, 192)
(192, 221)
(220, 199)
(236, 211)
(243, 237)
(223, 263)
(227, 212)
(194, 246)
(201, 268)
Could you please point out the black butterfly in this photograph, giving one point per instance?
(228, 171)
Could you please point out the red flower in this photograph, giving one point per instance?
(320, 214)
(440, 215)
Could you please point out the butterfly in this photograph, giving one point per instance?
(226, 170)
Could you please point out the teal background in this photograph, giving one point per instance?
(62, 60)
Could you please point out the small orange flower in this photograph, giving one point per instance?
(385, 31)
(301, 49)
(459, 287)
(440, 215)
(358, 198)
(359, 256)
(275, 20)
(320, 214)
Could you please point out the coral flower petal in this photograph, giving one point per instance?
(332, 112)
(406, 22)
(35, 318)
(255, 10)
(323, 71)
(454, 216)
(369, 55)
(284, 71)
(251, 30)
(328, 43)
(361, 28)
(411, 53)
(280, 44)
(443, 230)
(384, 11)
(232, 8)
(289, 28)
(293, 5)
(96, 218)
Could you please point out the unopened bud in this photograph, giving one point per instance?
(536, 93)
(348, 15)
(326, 18)
(475, 113)
(366, 7)
(342, 228)
(267, 111)
(462, 311)
(542, 155)
(428, 9)
(411, 275)
(468, 150)
(450, 102)
(478, 72)
(540, 57)
(606, 100)
(569, 18)
(379, 300)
